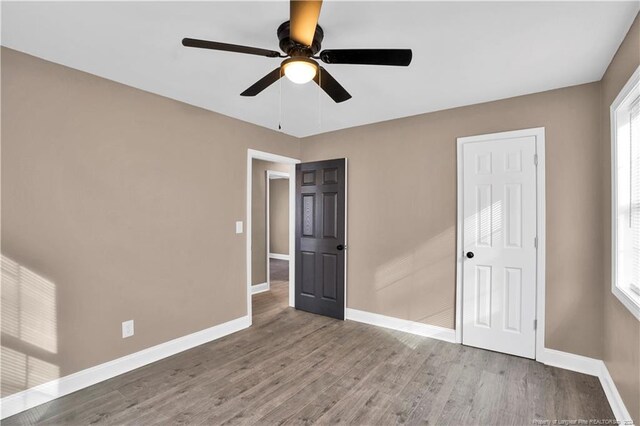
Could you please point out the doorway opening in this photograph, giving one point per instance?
(271, 191)
(270, 233)
(277, 227)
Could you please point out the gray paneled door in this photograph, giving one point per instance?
(320, 237)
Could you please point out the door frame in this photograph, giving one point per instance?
(539, 134)
(253, 154)
(273, 174)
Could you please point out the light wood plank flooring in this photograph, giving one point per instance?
(292, 367)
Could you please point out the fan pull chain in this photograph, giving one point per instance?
(280, 104)
(319, 98)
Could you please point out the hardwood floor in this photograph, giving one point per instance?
(279, 270)
(292, 367)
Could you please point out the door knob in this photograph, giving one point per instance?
(470, 254)
(340, 247)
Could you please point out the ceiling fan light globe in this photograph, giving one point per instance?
(300, 71)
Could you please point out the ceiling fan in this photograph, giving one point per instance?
(300, 40)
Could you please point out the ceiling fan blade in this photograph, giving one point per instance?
(304, 15)
(204, 44)
(331, 86)
(263, 83)
(397, 57)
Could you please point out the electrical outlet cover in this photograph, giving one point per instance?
(127, 329)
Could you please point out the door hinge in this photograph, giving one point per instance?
(535, 159)
(535, 242)
(535, 324)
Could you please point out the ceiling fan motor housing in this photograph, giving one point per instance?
(291, 48)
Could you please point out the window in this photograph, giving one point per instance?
(625, 131)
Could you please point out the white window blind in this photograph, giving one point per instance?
(625, 179)
(634, 202)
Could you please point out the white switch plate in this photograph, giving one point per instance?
(127, 329)
(239, 227)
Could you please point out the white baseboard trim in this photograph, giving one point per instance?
(569, 361)
(613, 396)
(421, 329)
(259, 288)
(18, 402)
(279, 256)
(592, 367)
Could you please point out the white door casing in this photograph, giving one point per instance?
(499, 215)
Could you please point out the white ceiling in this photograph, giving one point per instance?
(463, 53)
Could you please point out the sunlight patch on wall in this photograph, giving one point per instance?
(416, 275)
(29, 329)
(21, 371)
(14, 367)
(28, 306)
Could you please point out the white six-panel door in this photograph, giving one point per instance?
(499, 243)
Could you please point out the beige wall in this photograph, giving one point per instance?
(621, 328)
(259, 218)
(402, 210)
(279, 216)
(118, 204)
